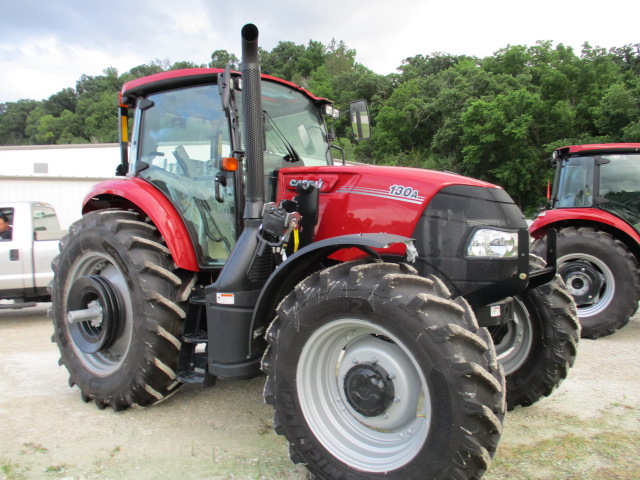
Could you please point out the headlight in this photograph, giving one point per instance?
(493, 244)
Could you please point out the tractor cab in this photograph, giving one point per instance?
(601, 176)
(187, 142)
(595, 207)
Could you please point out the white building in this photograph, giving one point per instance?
(60, 175)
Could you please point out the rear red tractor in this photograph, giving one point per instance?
(233, 244)
(595, 207)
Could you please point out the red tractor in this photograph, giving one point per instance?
(235, 245)
(595, 208)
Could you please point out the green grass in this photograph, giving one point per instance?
(610, 455)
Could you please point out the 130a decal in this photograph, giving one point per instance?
(402, 191)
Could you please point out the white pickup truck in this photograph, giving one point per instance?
(26, 252)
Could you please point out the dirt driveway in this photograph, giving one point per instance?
(589, 428)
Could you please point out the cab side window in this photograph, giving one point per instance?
(184, 135)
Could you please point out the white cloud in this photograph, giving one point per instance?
(47, 46)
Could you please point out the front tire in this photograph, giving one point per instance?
(117, 308)
(374, 372)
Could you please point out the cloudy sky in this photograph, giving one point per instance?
(46, 45)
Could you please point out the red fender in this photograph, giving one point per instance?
(140, 195)
(548, 219)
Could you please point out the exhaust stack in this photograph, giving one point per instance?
(229, 321)
(253, 123)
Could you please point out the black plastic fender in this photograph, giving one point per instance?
(297, 266)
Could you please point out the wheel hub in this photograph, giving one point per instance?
(93, 313)
(369, 389)
(583, 282)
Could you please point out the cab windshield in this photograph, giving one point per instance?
(294, 129)
(620, 187)
(295, 132)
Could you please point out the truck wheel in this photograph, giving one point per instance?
(538, 346)
(374, 372)
(601, 274)
(117, 309)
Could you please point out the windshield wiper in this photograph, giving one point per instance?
(292, 155)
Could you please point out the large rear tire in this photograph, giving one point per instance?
(602, 276)
(539, 345)
(374, 372)
(117, 308)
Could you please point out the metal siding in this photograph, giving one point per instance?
(71, 171)
(65, 195)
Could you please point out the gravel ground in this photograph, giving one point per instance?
(588, 429)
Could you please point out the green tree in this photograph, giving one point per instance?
(425, 65)
(13, 121)
(402, 123)
(99, 117)
(46, 129)
(65, 99)
(619, 107)
(97, 104)
(184, 64)
(628, 58)
(283, 60)
(140, 71)
(339, 58)
(311, 59)
(320, 83)
(503, 143)
(89, 86)
(220, 59)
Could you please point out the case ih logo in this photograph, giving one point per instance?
(295, 182)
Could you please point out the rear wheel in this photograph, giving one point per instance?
(538, 346)
(117, 308)
(602, 276)
(374, 372)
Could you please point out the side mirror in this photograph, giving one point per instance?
(359, 115)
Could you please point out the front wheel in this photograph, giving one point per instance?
(374, 372)
(117, 306)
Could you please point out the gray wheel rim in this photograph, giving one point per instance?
(608, 289)
(513, 349)
(372, 444)
(109, 360)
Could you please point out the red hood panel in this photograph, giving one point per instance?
(370, 199)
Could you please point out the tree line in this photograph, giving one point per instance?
(496, 118)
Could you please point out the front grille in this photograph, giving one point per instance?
(446, 226)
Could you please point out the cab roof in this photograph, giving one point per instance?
(189, 77)
(594, 148)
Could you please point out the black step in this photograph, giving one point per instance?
(195, 337)
(198, 299)
(190, 377)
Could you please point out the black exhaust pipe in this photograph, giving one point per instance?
(232, 298)
(253, 123)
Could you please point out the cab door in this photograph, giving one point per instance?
(183, 136)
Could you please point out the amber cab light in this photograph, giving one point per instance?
(229, 164)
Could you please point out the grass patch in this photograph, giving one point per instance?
(570, 456)
(31, 447)
(56, 469)
(13, 471)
